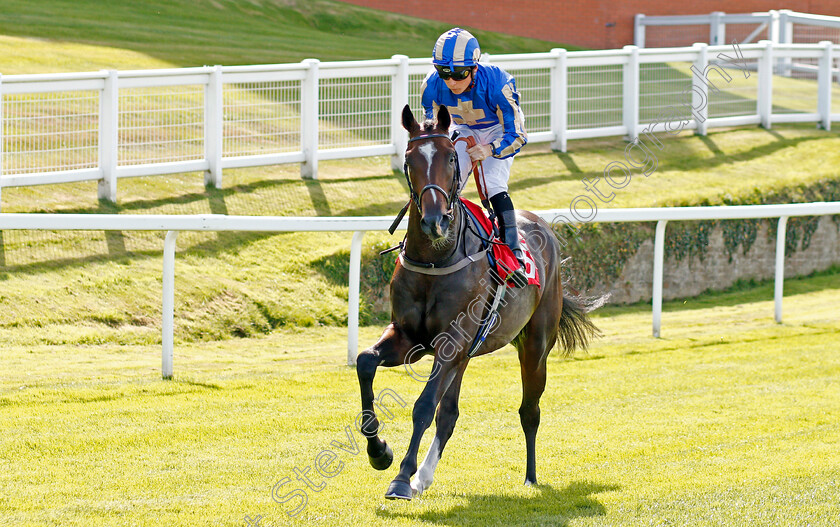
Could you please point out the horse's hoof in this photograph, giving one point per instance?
(383, 460)
(399, 490)
(530, 482)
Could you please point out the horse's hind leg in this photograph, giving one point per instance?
(391, 350)
(540, 336)
(533, 384)
(447, 415)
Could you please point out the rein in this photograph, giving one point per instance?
(478, 172)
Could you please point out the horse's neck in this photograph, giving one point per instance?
(418, 247)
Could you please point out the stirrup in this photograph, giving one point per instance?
(517, 277)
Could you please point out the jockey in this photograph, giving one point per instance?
(484, 104)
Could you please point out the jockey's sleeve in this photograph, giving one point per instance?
(427, 97)
(512, 119)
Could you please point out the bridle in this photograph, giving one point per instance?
(432, 268)
(450, 195)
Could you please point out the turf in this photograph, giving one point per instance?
(729, 419)
(93, 34)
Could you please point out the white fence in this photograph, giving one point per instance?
(780, 27)
(107, 125)
(174, 223)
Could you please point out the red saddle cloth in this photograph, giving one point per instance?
(505, 260)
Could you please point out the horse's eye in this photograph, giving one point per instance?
(451, 159)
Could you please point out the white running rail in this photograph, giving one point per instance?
(359, 225)
(108, 125)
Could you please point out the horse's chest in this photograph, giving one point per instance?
(423, 311)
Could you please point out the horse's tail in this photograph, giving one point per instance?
(576, 328)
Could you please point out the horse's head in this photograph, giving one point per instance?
(431, 171)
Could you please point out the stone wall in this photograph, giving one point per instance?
(691, 276)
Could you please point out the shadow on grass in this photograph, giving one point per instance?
(217, 197)
(673, 156)
(319, 199)
(385, 208)
(712, 146)
(741, 292)
(225, 242)
(548, 506)
(567, 160)
(114, 240)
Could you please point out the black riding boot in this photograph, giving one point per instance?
(503, 206)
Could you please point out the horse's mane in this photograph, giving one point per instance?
(428, 125)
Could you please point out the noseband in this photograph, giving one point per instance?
(454, 190)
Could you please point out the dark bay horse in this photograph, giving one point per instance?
(440, 314)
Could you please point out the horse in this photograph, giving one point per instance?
(434, 312)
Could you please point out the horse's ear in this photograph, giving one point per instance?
(408, 120)
(443, 118)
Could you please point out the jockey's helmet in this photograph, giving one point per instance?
(456, 47)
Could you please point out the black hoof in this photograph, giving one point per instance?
(383, 460)
(399, 490)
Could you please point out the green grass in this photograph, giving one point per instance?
(81, 287)
(729, 419)
(93, 34)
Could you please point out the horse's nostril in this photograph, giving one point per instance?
(426, 225)
(444, 224)
(434, 225)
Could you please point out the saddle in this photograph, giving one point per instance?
(501, 258)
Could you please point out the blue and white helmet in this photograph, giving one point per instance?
(456, 47)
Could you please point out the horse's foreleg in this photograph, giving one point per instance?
(447, 415)
(390, 350)
(423, 414)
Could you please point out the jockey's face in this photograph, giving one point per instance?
(459, 87)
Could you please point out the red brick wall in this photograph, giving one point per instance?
(578, 22)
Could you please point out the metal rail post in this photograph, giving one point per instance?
(639, 30)
(309, 120)
(353, 297)
(765, 85)
(824, 83)
(168, 308)
(700, 90)
(717, 29)
(780, 267)
(214, 128)
(108, 136)
(631, 93)
(559, 99)
(658, 271)
(399, 98)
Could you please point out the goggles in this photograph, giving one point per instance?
(457, 73)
